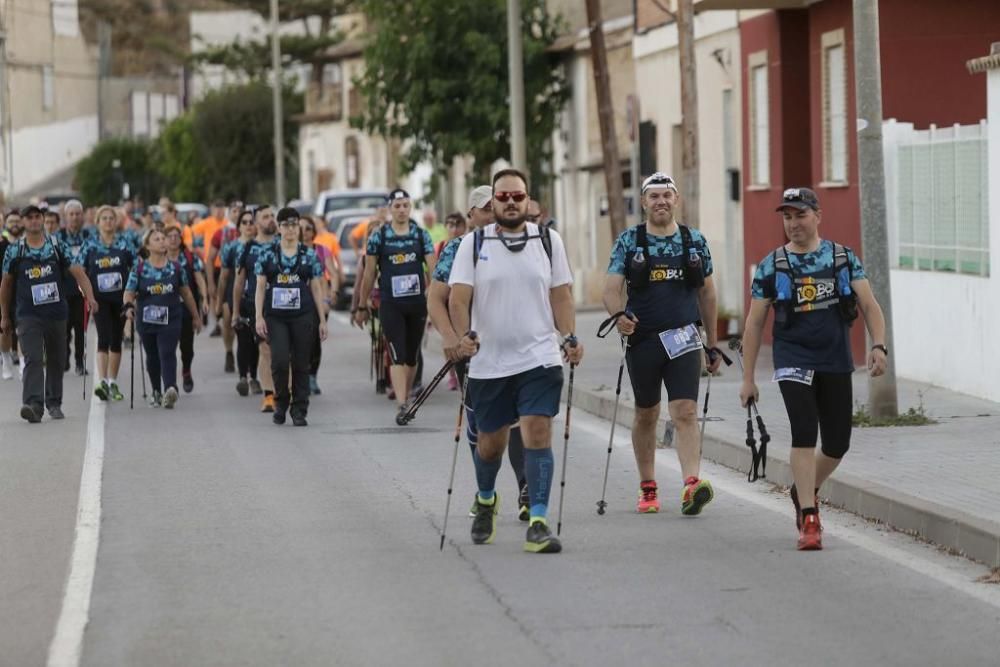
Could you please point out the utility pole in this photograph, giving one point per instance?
(690, 190)
(882, 398)
(606, 116)
(103, 71)
(515, 66)
(279, 115)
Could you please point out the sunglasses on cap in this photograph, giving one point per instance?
(504, 197)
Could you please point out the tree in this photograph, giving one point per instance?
(100, 182)
(179, 161)
(436, 77)
(253, 57)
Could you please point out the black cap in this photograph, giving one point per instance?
(398, 193)
(30, 210)
(800, 198)
(287, 213)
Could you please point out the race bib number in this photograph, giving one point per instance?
(793, 375)
(406, 285)
(45, 293)
(286, 298)
(681, 341)
(159, 315)
(109, 282)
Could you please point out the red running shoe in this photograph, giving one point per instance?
(810, 537)
(649, 498)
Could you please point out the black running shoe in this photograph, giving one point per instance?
(401, 419)
(524, 504)
(299, 420)
(243, 387)
(55, 412)
(30, 414)
(188, 383)
(230, 366)
(540, 539)
(278, 417)
(255, 387)
(484, 526)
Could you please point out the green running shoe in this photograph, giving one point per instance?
(116, 394)
(484, 526)
(101, 391)
(697, 494)
(540, 539)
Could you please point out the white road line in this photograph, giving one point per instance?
(955, 572)
(67, 644)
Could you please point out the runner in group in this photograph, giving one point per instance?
(666, 270)
(244, 291)
(108, 258)
(816, 288)
(331, 273)
(156, 294)
(480, 215)
(194, 269)
(220, 307)
(290, 303)
(247, 352)
(35, 272)
(72, 237)
(9, 358)
(403, 254)
(517, 285)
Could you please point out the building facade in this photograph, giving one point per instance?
(48, 94)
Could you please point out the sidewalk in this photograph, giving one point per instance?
(941, 482)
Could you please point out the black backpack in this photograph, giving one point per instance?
(637, 274)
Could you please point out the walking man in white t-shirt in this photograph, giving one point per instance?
(517, 282)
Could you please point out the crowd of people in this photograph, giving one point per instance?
(495, 283)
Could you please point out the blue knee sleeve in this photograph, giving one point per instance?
(538, 467)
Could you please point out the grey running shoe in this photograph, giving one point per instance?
(30, 414)
(484, 526)
(55, 412)
(243, 387)
(540, 539)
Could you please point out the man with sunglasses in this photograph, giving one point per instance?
(517, 284)
(403, 254)
(480, 215)
(665, 269)
(816, 288)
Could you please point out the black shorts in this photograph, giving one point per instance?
(649, 367)
(403, 326)
(824, 408)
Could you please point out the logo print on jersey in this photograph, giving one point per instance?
(158, 289)
(403, 258)
(815, 290)
(288, 278)
(108, 262)
(36, 272)
(662, 274)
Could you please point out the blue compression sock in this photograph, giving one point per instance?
(486, 475)
(538, 466)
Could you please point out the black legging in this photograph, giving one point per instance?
(247, 351)
(291, 347)
(317, 353)
(403, 327)
(110, 326)
(187, 343)
(74, 326)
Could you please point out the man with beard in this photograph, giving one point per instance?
(72, 237)
(666, 269)
(517, 282)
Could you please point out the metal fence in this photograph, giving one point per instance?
(939, 197)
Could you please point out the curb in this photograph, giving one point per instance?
(970, 536)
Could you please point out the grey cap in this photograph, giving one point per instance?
(480, 197)
(800, 198)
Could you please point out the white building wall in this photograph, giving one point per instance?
(41, 151)
(321, 146)
(717, 54)
(944, 324)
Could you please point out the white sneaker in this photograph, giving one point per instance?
(7, 364)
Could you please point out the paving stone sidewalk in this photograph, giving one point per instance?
(940, 481)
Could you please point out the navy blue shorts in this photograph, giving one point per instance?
(499, 402)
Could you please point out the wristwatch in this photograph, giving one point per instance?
(884, 349)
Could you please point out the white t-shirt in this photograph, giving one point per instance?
(511, 309)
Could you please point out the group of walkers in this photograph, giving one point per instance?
(498, 290)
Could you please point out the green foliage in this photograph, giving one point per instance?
(99, 182)
(436, 75)
(178, 159)
(912, 417)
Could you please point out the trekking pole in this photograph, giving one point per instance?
(411, 411)
(602, 332)
(131, 400)
(571, 341)
(758, 455)
(86, 312)
(454, 454)
(142, 366)
(712, 352)
(371, 335)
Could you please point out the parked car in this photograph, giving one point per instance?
(303, 206)
(329, 201)
(187, 212)
(348, 258)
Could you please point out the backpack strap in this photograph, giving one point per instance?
(477, 244)
(546, 235)
(642, 239)
(686, 241)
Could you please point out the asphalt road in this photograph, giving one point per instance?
(225, 540)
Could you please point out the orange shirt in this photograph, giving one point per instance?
(203, 231)
(358, 234)
(329, 241)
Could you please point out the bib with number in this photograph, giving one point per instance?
(286, 298)
(681, 341)
(408, 285)
(109, 282)
(793, 375)
(156, 315)
(45, 293)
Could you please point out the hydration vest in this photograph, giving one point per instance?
(401, 273)
(108, 270)
(39, 292)
(156, 296)
(639, 269)
(795, 295)
(289, 292)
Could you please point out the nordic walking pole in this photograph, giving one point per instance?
(86, 313)
(454, 455)
(411, 412)
(602, 331)
(131, 400)
(711, 352)
(142, 366)
(571, 341)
